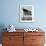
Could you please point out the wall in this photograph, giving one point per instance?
(10, 13)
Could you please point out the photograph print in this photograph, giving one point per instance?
(26, 13)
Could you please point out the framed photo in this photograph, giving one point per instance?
(26, 13)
